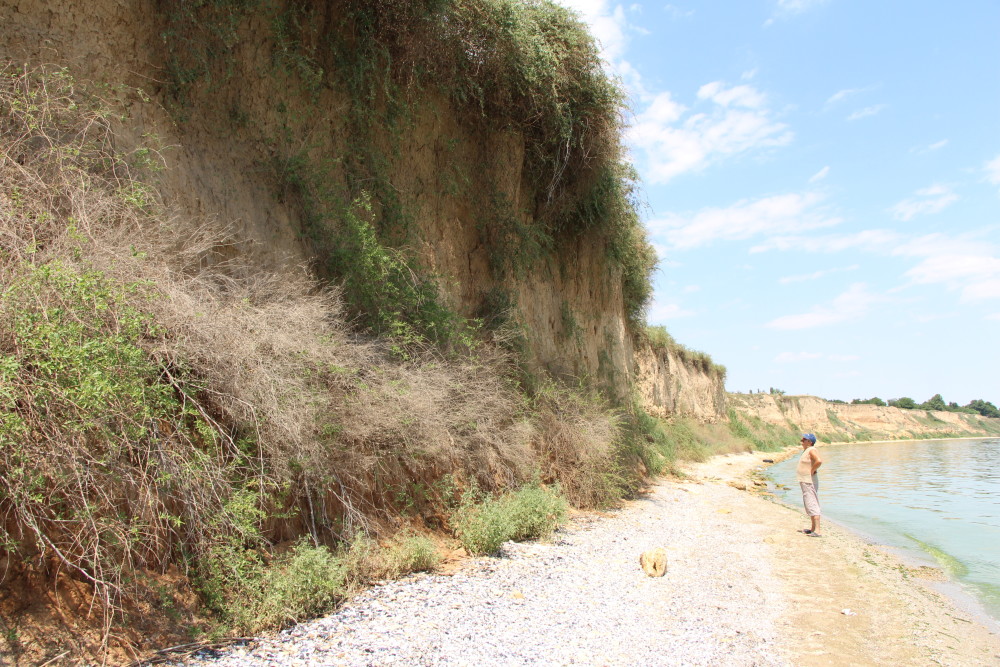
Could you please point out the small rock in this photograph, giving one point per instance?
(654, 562)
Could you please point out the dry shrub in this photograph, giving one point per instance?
(96, 455)
(367, 560)
(166, 402)
(574, 442)
(212, 406)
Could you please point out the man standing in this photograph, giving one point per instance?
(809, 463)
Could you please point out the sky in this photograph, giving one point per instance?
(823, 187)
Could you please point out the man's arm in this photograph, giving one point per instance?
(817, 460)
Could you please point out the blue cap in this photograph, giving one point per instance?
(810, 437)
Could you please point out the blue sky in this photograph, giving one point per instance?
(823, 181)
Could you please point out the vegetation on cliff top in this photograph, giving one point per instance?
(936, 402)
(660, 339)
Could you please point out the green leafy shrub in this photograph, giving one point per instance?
(100, 458)
(393, 299)
(251, 593)
(531, 512)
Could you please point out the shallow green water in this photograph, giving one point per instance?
(938, 501)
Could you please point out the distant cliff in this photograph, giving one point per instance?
(834, 422)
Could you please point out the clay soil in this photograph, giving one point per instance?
(848, 602)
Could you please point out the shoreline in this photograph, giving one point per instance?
(885, 610)
(741, 587)
(951, 587)
(838, 443)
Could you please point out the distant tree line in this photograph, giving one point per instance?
(935, 402)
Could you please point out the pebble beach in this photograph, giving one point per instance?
(728, 597)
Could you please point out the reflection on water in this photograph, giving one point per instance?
(937, 499)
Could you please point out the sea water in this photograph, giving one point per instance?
(936, 501)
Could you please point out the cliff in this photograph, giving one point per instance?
(272, 117)
(669, 383)
(283, 277)
(835, 422)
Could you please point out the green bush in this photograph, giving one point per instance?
(643, 441)
(101, 459)
(250, 594)
(530, 513)
(387, 293)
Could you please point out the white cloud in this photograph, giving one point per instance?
(994, 316)
(678, 13)
(947, 267)
(794, 357)
(992, 169)
(844, 94)
(938, 243)
(980, 291)
(737, 96)
(969, 265)
(869, 239)
(856, 302)
(816, 275)
(788, 8)
(937, 145)
(928, 201)
(819, 175)
(676, 141)
(660, 312)
(847, 93)
(744, 219)
(867, 111)
(798, 6)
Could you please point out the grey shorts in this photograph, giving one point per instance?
(810, 499)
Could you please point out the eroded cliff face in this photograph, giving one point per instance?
(234, 135)
(669, 385)
(834, 422)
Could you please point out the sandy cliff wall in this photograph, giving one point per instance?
(670, 385)
(838, 421)
(232, 133)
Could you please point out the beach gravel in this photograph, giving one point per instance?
(580, 598)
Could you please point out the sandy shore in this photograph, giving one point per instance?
(848, 602)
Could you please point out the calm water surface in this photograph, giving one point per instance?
(936, 500)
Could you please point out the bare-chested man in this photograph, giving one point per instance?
(809, 463)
